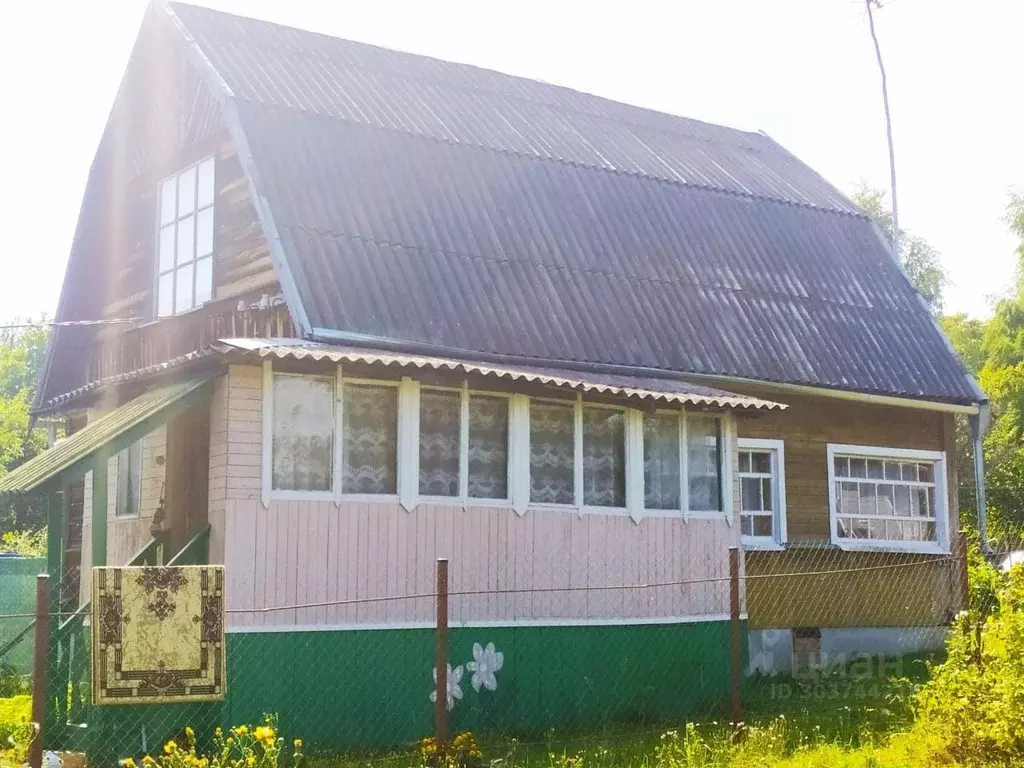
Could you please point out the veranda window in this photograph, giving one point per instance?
(683, 462)
(370, 439)
(887, 497)
(445, 457)
(185, 240)
(552, 452)
(604, 457)
(303, 433)
(129, 481)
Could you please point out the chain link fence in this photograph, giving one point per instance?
(821, 635)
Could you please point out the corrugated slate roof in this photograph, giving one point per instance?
(644, 388)
(443, 205)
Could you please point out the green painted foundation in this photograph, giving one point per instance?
(371, 688)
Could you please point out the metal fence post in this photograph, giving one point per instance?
(35, 754)
(737, 641)
(441, 656)
(963, 572)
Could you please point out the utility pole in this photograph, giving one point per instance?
(871, 4)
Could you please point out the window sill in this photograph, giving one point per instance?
(762, 545)
(910, 547)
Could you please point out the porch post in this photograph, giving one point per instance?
(99, 510)
(56, 525)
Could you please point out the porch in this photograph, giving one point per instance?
(77, 478)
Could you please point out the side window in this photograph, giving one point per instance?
(129, 481)
(762, 492)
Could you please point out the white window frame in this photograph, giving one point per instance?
(463, 498)
(518, 460)
(777, 450)
(936, 458)
(175, 266)
(726, 468)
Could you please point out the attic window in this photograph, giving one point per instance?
(185, 240)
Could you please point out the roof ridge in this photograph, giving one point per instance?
(767, 144)
(559, 160)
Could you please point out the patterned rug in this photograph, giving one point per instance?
(158, 634)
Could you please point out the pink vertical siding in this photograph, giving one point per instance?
(310, 552)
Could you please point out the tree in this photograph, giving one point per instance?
(22, 351)
(916, 255)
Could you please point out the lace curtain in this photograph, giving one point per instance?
(704, 461)
(303, 443)
(551, 453)
(604, 457)
(440, 422)
(370, 436)
(661, 462)
(488, 447)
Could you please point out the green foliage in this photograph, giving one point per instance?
(917, 256)
(974, 702)
(15, 730)
(22, 351)
(24, 543)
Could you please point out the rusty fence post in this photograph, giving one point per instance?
(35, 753)
(441, 656)
(736, 667)
(963, 572)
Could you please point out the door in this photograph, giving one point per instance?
(188, 474)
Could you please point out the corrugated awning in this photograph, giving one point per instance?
(670, 391)
(111, 432)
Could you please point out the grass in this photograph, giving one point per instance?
(15, 731)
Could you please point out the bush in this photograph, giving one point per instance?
(15, 729)
(24, 543)
(974, 701)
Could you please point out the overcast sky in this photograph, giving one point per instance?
(803, 71)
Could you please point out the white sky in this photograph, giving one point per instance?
(803, 71)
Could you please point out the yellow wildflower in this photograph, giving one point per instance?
(170, 747)
(250, 760)
(128, 763)
(148, 761)
(241, 730)
(264, 733)
(298, 743)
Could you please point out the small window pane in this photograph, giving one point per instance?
(440, 443)
(858, 468)
(746, 525)
(892, 470)
(886, 500)
(661, 462)
(766, 494)
(129, 481)
(750, 494)
(910, 472)
(204, 280)
(186, 239)
(488, 447)
(168, 195)
(875, 469)
(761, 462)
(744, 461)
(183, 289)
(842, 466)
(604, 457)
(165, 295)
(902, 501)
(370, 432)
(166, 259)
(867, 499)
(704, 461)
(552, 473)
(303, 438)
(763, 526)
(204, 232)
(187, 191)
(206, 188)
(926, 473)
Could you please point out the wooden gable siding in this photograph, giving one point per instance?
(351, 554)
(868, 589)
(164, 119)
(811, 423)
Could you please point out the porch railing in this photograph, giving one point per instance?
(196, 551)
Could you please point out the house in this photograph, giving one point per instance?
(352, 310)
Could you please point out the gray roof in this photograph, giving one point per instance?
(447, 207)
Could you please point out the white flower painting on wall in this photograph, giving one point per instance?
(454, 687)
(486, 662)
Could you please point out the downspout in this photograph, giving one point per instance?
(979, 426)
